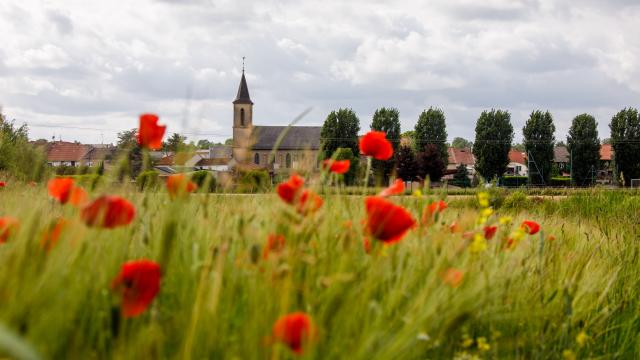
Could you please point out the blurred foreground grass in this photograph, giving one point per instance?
(572, 296)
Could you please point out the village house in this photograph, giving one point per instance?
(517, 164)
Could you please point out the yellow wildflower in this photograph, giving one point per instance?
(568, 355)
(483, 345)
(483, 199)
(582, 338)
(417, 193)
(466, 341)
(487, 212)
(505, 220)
(479, 244)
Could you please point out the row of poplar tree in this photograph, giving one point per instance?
(426, 154)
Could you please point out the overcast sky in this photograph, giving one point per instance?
(84, 70)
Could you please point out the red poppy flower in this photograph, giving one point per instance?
(386, 221)
(290, 190)
(179, 184)
(108, 212)
(2, 184)
(138, 283)
(366, 244)
(394, 189)
(275, 243)
(530, 227)
(452, 277)
(78, 196)
(375, 144)
(150, 133)
(490, 232)
(60, 189)
(8, 226)
(51, 237)
(432, 209)
(294, 330)
(309, 202)
(337, 166)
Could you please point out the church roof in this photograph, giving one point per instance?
(297, 138)
(243, 92)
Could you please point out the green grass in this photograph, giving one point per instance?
(219, 298)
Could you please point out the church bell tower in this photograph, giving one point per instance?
(242, 121)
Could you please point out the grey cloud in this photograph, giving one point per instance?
(62, 22)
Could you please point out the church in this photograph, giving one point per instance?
(253, 145)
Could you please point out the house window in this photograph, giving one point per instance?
(288, 160)
(256, 158)
(241, 117)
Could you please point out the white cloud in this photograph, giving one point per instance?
(99, 64)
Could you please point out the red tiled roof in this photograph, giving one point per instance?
(66, 151)
(517, 157)
(211, 162)
(606, 152)
(175, 159)
(461, 156)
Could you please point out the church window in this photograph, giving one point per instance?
(288, 160)
(241, 117)
(256, 158)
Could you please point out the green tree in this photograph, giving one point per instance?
(494, 134)
(204, 144)
(175, 143)
(461, 177)
(130, 153)
(430, 163)
(625, 140)
(461, 143)
(539, 140)
(584, 146)
(17, 157)
(387, 120)
(406, 164)
(432, 129)
(350, 176)
(340, 130)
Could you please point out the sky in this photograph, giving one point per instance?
(84, 70)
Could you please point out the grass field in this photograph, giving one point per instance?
(569, 291)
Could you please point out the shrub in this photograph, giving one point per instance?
(253, 181)
(516, 200)
(560, 181)
(513, 181)
(205, 180)
(148, 180)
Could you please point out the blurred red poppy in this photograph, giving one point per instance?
(138, 283)
(394, 189)
(150, 133)
(452, 277)
(375, 144)
(454, 227)
(337, 166)
(296, 330)
(78, 196)
(366, 244)
(309, 202)
(108, 212)
(433, 209)
(2, 184)
(275, 243)
(8, 226)
(386, 221)
(52, 235)
(530, 227)
(60, 189)
(179, 185)
(490, 232)
(290, 190)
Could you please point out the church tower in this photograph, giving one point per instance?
(242, 122)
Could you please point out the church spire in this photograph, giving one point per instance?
(243, 90)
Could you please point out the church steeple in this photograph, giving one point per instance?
(243, 90)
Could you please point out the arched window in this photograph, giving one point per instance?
(288, 160)
(241, 117)
(256, 158)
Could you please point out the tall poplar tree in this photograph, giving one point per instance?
(584, 149)
(625, 140)
(494, 135)
(539, 140)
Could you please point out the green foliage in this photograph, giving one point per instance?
(253, 181)
(387, 120)
(461, 143)
(148, 180)
(560, 181)
(625, 140)
(431, 128)
(406, 163)
(494, 135)
(513, 181)
(461, 177)
(205, 180)
(130, 154)
(350, 178)
(516, 200)
(340, 130)
(204, 144)
(18, 158)
(175, 143)
(539, 141)
(584, 146)
(430, 163)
